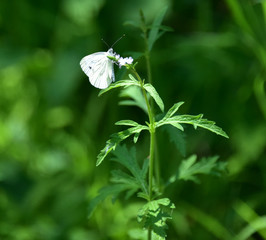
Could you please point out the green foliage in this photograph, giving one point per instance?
(177, 137)
(154, 33)
(152, 91)
(253, 227)
(189, 169)
(116, 138)
(154, 214)
(121, 83)
(121, 180)
(255, 223)
(52, 124)
(128, 159)
(196, 121)
(134, 98)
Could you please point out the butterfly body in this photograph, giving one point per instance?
(99, 68)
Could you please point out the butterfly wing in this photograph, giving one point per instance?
(99, 68)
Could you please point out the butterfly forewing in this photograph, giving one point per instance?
(99, 68)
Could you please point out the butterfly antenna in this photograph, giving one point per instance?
(105, 43)
(118, 40)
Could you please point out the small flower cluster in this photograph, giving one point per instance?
(123, 61)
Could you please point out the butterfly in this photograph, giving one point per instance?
(99, 68)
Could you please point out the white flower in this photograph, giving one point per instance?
(124, 61)
(117, 56)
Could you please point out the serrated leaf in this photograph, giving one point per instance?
(115, 139)
(131, 184)
(189, 169)
(154, 215)
(122, 181)
(153, 34)
(152, 91)
(128, 159)
(196, 121)
(121, 83)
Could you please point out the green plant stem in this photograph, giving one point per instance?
(152, 141)
(149, 76)
(152, 135)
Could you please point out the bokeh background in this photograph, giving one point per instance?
(53, 124)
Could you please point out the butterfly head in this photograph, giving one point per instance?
(110, 52)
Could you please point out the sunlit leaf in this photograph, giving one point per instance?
(154, 214)
(115, 139)
(132, 78)
(152, 91)
(189, 169)
(196, 121)
(127, 123)
(171, 122)
(173, 110)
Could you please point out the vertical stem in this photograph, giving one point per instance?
(147, 51)
(152, 141)
(149, 76)
(151, 164)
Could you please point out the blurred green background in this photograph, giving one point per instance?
(53, 124)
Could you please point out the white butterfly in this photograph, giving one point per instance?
(99, 68)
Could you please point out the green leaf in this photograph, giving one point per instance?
(131, 184)
(137, 98)
(189, 168)
(196, 121)
(153, 34)
(136, 137)
(115, 139)
(121, 83)
(171, 122)
(154, 215)
(127, 123)
(103, 194)
(177, 137)
(132, 78)
(173, 110)
(122, 181)
(128, 159)
(152, 91)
